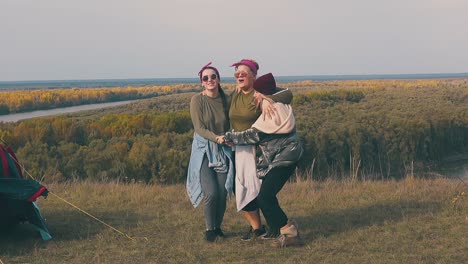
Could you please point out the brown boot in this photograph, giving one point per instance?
(289, 236)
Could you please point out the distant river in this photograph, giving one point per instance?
(57, 111)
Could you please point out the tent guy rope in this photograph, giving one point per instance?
(69, 203)
(90, 215)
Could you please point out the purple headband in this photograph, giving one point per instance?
(207, 66)
(247, 63)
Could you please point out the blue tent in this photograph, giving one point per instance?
(18, 195)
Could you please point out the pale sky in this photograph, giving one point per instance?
(118, 39)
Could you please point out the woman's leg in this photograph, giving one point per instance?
(267, 201)
(252, 214)
(209, 187)
(222, 193)
(253, 217)
(275, 217)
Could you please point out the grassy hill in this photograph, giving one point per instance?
(407, 221)
(353, 130)
(367, 129)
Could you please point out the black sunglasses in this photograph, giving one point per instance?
(212, 76)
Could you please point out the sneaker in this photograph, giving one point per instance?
(287, 241)
(271, 234)
(253, 234)
(210, 235)
(291, 229)
(289, 236)
(219, 232)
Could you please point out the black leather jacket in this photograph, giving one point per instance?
(276, 150)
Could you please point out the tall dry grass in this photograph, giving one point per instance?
(408, 221)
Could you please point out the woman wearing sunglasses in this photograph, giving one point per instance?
(243, 112)
(211, 169)
(280, 149)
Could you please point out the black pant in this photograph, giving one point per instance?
(266, 199)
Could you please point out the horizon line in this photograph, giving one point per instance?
(461, 74)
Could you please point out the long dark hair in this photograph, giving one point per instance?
(225, 105)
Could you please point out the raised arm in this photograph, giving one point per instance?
(283, 95)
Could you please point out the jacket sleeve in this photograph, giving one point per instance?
(246, 137)
(282, 95)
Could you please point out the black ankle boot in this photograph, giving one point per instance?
(219, 232)
(210, 235)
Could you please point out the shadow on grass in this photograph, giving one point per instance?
(64, 225)
(335, 222)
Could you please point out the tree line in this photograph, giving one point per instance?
(31, 100)
(350, 129)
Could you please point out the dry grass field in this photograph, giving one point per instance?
(408, 221)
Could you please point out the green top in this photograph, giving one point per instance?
(243, 112)
(208, 116)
